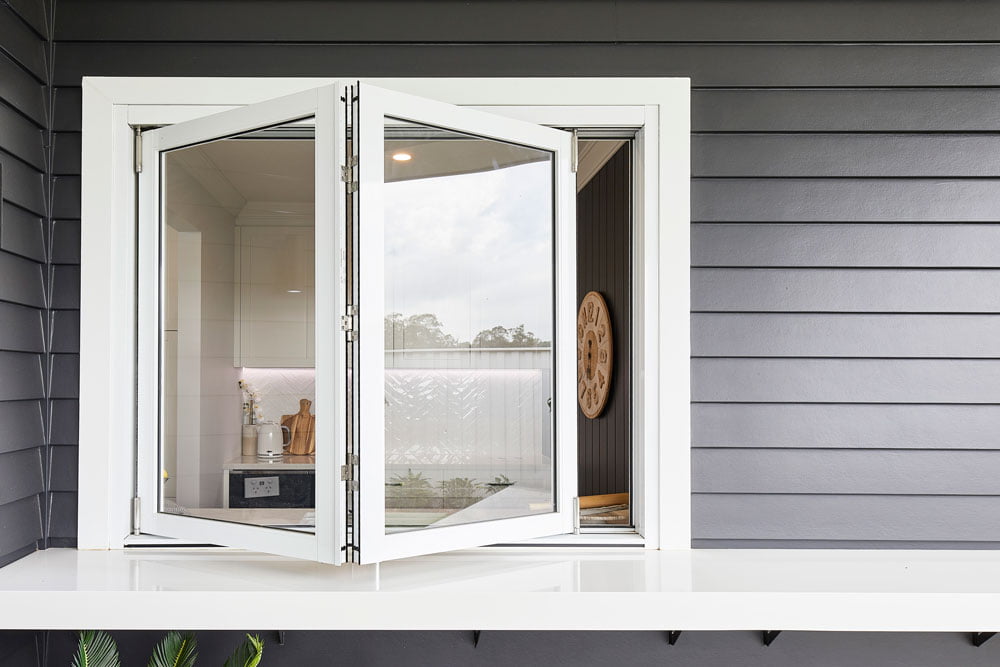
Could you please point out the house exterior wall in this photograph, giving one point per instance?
(844, 244)
(27, 331)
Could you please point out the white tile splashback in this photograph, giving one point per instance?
(281, 388)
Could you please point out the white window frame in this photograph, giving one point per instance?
(659, 107)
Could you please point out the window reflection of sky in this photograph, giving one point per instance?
(473, 249)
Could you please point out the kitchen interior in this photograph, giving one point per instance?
(238, 342)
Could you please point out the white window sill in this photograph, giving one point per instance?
(532, 588)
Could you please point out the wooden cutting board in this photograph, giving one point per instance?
(303, 428)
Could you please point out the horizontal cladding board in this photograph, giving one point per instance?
(844, 335)
(62, 516)
(67, 109)
(21, 137)
(22, 328)
(846, 110)
(850, 290)
(852, 471)
(22, 184)
(65, 241)
(66, 197)
(66, 286)
(21, 91)
(22, 281)
(843, 544)
(65, 415)
(65, 381)
(783, 110)
(32, 11)
(839, 517)
(66, 153)
(22, 425)
(844, 200)
(63, 468)
(21, 42)
(22, 524)
(66, 331)
(843, 426)
(708, 65)
(20, 376)
(845, 155)
(20, 474)
(845, 380)
(22, 232)
(845, 245)
(496, 20)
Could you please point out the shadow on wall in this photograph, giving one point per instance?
(551, 649)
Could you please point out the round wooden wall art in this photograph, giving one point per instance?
(593, 355)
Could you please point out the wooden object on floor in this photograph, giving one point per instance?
(603, 500)
(303, 428)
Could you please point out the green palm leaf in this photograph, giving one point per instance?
(175, 650)
(247, 654)
(96, 649)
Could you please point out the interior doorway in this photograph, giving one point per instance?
(604, 265)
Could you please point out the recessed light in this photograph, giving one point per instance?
(295, 291)
(402, 157)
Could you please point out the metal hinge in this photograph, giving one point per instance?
(347, 472)
(136, 515)
(574, 150)
(137, 158)
(347, 323)
(347, 174)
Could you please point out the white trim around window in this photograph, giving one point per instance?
(659, 106)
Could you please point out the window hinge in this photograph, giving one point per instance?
(574, 150)
(136, 515)
(347, 472)
(347, 174)
(138, 150)
(347, 323)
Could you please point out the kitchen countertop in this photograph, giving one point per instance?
(286, 462)
(523, 588)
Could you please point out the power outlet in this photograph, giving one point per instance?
(260, 487)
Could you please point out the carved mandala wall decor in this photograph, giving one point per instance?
(593, 355)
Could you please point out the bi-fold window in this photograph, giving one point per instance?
(357, 327)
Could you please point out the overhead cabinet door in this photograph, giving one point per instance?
(465, 331)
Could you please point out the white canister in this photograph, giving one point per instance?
(270, 441)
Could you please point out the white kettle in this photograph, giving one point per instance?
(270, 440)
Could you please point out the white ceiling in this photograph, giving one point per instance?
(238, 171)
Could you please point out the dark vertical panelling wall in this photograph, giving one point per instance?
(844, 223)
(24, 341)
(603, 243)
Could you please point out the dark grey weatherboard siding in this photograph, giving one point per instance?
(24, 360)
(845, 238)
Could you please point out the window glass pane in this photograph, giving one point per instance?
(468, 328)
(237, 339)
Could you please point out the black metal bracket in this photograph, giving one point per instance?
(768, 636)
(672, 636)
(475, 638)
(980, 638)
(281, 637)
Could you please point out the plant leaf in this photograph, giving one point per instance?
(175, 650)
(96, 649)
(247, 654)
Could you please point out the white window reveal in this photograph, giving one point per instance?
(357, 315)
